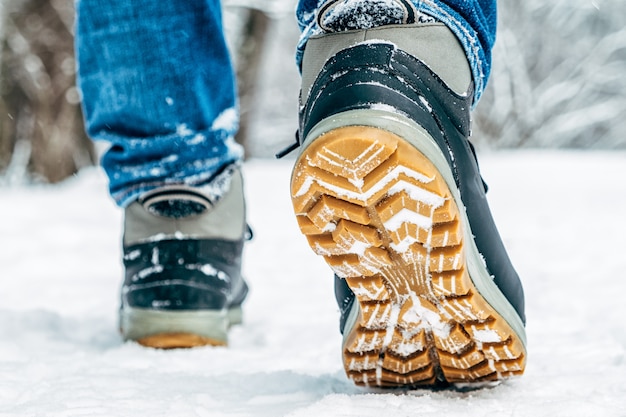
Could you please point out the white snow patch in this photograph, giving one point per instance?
(208, 269)
(146, 272)
(155, 256)
(486, 335)
(227, 120)
(404, 245)
(383, 107)
(171, 158)
(366, 292)
(406, 348)
(165, 236)
(426, 319)
(418, 193)
(132, 255)
(62, 271)
(364, 14)
(414, 192)
(359, 248)
(183, 130)
(408, 216)
(197, 139)
(161, 303)
(426, 103)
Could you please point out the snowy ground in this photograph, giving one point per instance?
(561, 215)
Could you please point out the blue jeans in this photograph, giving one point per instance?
(158, 84)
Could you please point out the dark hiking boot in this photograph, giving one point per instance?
(182, 254)
(387, 189)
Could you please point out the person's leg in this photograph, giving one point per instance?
(157, 83)
(387, 189)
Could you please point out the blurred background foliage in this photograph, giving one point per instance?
(559, 77)
(558, 80)
(41, 130)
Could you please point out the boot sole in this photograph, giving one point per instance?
(177, 329)
(384, 218)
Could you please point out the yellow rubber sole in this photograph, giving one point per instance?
(384, 219)
(178, 329)
(178, 341)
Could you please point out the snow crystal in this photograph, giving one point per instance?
(426, 104)
(408, 216)
(146, 272)
(161, 303)
(404, 244)
(363, 14)
(165, 236)
(414, 191)
(227, 120)
(170, 158)
(183, 130)
(155, 256)
(374, 42)
(219, 185)
(426, 319)
(211, 271)
(392, 322)
(486, 335)
(132, 255)
(358, 248)
(406, 348)
(338, 74)
(383, 107)
(366, 292)
(197, 139)
(208, 269)
(417, 193)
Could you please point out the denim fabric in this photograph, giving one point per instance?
(158, 84)
(473, 22)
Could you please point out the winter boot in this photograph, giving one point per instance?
(182, 254)
(387, 189)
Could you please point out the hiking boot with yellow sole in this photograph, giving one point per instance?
(182, 255)
(387, 190)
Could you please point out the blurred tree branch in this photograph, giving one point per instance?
(41, 122)
(41, 127)
(558, 76)
(246, 31)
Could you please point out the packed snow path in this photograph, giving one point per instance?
(562, 216)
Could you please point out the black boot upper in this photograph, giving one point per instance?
(371, 74)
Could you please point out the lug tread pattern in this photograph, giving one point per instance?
(383, 218)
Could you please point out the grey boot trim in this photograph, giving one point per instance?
(432, 43)
(206, 219)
